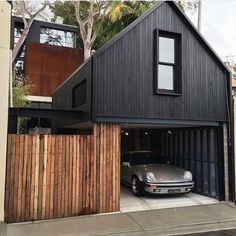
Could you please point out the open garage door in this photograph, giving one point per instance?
(199, 150)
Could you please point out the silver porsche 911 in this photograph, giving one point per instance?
(146, 173)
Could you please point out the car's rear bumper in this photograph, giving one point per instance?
(168, 188)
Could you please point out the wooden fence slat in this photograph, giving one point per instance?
(40, 180)
(36, 178)
(9, 200)
(74, 162)
(63, 176)
(48, 177)
(45, 157)
(55, 184)
(8, 183)
(16, 179)
(20, 176)
(77, 195)
(67, 175)
(32, 177)
(59, 177)
(51, 176)
(24, 182)
(70, 176)
(28, 178)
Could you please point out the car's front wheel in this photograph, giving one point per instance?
(136, 186)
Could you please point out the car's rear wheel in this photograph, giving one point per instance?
(136, 186)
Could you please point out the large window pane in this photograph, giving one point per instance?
(166, 50)
(57, 37)
(165, 77)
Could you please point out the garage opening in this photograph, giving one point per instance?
(197, 149)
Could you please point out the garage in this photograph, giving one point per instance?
(197, 149)
(160, 83)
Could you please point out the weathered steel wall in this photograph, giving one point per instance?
(48, 66)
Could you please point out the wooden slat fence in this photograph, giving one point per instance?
(53, 176)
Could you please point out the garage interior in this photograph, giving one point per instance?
(197, 149)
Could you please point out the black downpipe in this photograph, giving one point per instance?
(228, 92)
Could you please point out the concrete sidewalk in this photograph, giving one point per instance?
(178, 221)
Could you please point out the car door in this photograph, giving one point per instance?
(125, 167)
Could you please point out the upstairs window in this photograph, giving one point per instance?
(79, 94)
(167, 59)
(57, 37)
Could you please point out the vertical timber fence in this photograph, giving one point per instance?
(53, 176)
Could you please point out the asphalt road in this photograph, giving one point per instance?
(216, 233)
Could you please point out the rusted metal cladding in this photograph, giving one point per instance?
(47, 66)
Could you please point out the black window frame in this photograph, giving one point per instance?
(75, 88)
(177, 65)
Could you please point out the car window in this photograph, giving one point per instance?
(145, 158)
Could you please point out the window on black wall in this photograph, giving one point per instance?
(79, 94)
(167, 76)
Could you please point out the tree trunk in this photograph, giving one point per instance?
(87, 52)
(21, 40)
(199, 15)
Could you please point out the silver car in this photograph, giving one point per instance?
(146, 173)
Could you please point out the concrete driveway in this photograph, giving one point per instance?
(131, 203)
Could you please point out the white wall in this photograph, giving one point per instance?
(5, 18)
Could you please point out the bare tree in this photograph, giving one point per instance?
(86, 22)
(192, 5)
(199, 22)
(28, 12)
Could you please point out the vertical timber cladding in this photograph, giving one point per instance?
(53, 176)
(200, 151)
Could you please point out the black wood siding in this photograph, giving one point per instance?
(63, 96)
(123, 75)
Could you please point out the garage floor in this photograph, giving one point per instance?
(129, 202)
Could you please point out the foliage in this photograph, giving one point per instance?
(21, 88)
(188, 5)
(115, 17)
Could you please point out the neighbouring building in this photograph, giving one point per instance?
(47, 45)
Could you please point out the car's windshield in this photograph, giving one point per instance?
(145, 158)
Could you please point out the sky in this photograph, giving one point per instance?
(219, 26)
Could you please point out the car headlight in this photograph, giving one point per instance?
(188, 175)
(150, 177)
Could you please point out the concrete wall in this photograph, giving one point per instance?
(5, 17)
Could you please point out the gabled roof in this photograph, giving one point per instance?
(179, 11)
(183, 16)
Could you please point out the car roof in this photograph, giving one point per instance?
(141, 151)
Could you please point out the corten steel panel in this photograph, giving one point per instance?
(47, 66)
(234, 82)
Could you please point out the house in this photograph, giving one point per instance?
(47, 44)
(232, 67)
(157, 85)
(168, 91)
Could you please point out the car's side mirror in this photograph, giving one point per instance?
(126, 164)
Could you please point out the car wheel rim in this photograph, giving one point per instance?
(134, 185)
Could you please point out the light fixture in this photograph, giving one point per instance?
(126, 133)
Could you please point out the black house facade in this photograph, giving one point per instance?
(162, 82)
